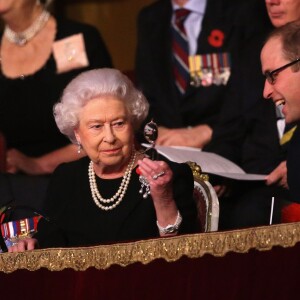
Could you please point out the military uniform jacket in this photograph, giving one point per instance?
(199, 105)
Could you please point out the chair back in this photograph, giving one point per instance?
(206, 200)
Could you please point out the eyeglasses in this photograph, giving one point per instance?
(271, 75)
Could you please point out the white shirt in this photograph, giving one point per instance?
(280, 121)
(193, 22)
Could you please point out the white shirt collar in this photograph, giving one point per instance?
(197, 6)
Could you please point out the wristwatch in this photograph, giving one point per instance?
(170, 228)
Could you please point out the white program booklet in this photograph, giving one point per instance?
(209, 162)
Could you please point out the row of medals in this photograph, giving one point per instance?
(208, 69)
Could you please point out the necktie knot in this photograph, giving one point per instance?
(181, 14)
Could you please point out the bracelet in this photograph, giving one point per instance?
(170, 228)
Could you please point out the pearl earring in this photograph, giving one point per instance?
(79, 147)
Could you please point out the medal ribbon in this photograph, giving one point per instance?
(18, 228)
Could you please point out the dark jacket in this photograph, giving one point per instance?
(199, 105)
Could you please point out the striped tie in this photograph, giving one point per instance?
(180, 48)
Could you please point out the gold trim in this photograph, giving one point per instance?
(145, 251)
(197, 171)
(201, 178)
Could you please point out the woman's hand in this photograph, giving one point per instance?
(23, 245)
(197, 136)
(159, 176)
(17, 161)
(45, 164)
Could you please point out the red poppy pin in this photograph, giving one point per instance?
(216, 38)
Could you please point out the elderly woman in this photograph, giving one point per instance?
(115, 193)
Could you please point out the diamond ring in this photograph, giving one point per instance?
(158, 175)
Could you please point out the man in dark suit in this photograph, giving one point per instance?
(250, 130)
(214, 27)
(280, 58)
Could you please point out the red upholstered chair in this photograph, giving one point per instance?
(291, 213)
(206, 200)
(2, 153)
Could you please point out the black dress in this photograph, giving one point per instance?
(75, 220)
(26, 105)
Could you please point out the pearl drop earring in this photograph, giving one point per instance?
(79, 147)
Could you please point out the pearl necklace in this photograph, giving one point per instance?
(98, 199)
(21, 38)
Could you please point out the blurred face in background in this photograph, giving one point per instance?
(283, 11)
(180, 2)
(6, 5)
(17, 10)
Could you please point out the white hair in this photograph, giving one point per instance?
(93, 84)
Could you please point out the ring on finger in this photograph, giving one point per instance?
(162, 173)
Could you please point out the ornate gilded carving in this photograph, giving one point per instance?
(145, 251)
(197, 171)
